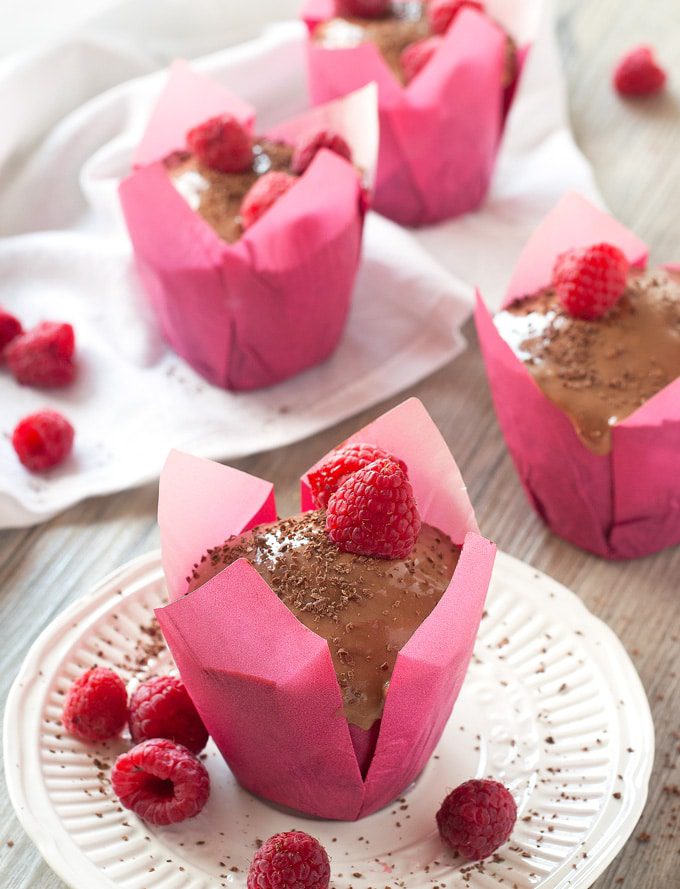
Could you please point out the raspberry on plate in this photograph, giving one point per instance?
(588, 281)
(96, 706)
(223, 144)
(476, 818)
(10, 327)
(161, 781)
(327, 478)
(161, 708)
(374, 513)
(416, 56)
(307, 147)
(263, 194)
(639, 74)
(43, 356)
(291, 860)
(367, 9)
(43, 440)
(442, 12)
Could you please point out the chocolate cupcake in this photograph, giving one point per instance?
(589, 400)
(445, 76)
(236, 235)
(325, 653)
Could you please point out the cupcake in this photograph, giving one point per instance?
(325, 651)
(446, 74)
(584, 367)
(237, 234)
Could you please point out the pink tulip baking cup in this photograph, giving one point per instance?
(252, 313)
(265, 685)
(621, 505)
(440, 134)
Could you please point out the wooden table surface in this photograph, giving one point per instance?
(637, 163)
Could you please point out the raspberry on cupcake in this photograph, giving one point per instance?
(348, 599)
(584, 365)
(274, 214)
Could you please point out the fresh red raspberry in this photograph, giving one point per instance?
(416, 56)
(327, 478)
(588, 281)
(442, 12)
(161, 781)
(43, 440)
(96, 706)
(476, 818)
(374, 513)
(161, 708)
(43, 356)
(291, 860)
(638, 73)
(308, 146)
(10, 327)
(263, 194)
(222, 143)
(363, 9)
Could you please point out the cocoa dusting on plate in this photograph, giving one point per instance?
(599, 372)
(366, 608)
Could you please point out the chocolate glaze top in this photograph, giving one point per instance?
(366, 608)
(217, 196)
(406, 24)
(599, 372)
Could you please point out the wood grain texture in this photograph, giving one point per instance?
(635, 154)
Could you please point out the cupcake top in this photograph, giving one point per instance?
(600, 370)
(407, 33)
(218, 196)
(366, 608)
(232, 179)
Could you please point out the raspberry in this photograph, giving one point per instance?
(307, 147)
(638, 74)
(10, 327)
(476, 818)
(374, 513)
(43, 440)
(290, 861)
(161, 708)
(43, 356)
(414, 58)
(263, 194)
(161, 781)
(96, 706)
(442, 12)
(588, 281)
(222, 143)
(327, 478)
(366, 9)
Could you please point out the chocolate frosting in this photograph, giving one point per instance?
(366, 608)
(217, 196)
(599, 372)
(406, 24)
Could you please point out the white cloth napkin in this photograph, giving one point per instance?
(65, 253)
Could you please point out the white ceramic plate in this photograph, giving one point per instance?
(552, 706)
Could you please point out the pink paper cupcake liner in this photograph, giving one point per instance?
(440, 134)
(265, 684)
(252, 313)
(621, 505)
